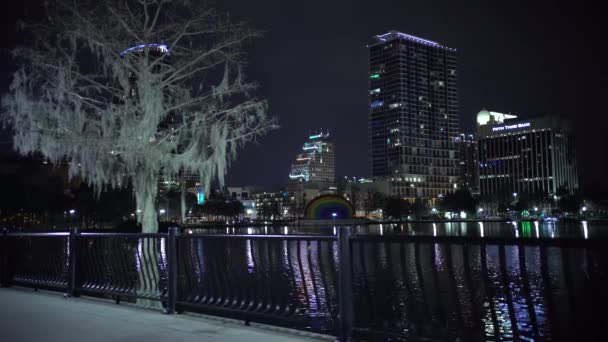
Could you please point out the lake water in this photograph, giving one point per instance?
(443, 289)
(548, 230)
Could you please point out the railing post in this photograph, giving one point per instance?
(4, 281)
(345, 282)
(172, 269)
(73, 273)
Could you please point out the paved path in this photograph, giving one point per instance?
(26, 316)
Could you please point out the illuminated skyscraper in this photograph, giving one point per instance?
(525, 156)
(413, 115)
(316, 162)
(469, 162)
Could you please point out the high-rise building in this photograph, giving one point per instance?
(413, 115)
(469, 162)
(316, 162)
(525, 156)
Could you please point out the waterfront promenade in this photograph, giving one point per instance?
(26, 315)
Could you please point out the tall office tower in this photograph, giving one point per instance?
(316, 162)
(413, 115)
(469, 162)
(534, 156)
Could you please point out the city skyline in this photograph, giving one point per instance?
(315, 75)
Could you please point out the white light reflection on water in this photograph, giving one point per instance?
(200, 268)
(481, 229)
(316, 282)
(67, 252)
(285, 230)
(585, 230)
(381, 229)
(335, 231)
(163, 250)
(536, 228)
(303, 296)
(249, 256)
(138, 253)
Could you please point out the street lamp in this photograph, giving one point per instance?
(72, 212)
(584, 208)
(515, 194)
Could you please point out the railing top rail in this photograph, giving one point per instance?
(474, 240)
(40, 234)
(260, 236)
(125, 235)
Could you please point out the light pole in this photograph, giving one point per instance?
(72, 212)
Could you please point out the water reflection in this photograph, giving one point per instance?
(513, 229)
(479, 292)
(472, 291)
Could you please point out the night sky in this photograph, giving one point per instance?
(526, 59)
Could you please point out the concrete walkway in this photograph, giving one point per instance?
(26, 315)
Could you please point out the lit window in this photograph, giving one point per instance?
(377, 104)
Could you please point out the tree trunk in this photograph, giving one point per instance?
(146, 190)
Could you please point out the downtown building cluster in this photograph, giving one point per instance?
(417, 150)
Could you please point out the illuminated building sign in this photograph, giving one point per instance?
(511, 127)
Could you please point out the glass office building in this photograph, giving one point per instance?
(413, 115)
(525, 156)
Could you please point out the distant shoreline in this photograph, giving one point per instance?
(370, 222)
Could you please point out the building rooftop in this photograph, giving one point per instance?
(485, 116)
(391, 35)
(162, 48)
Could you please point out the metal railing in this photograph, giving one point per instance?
(362, 287)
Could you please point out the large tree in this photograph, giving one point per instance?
(396, 207)
(134, 90)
